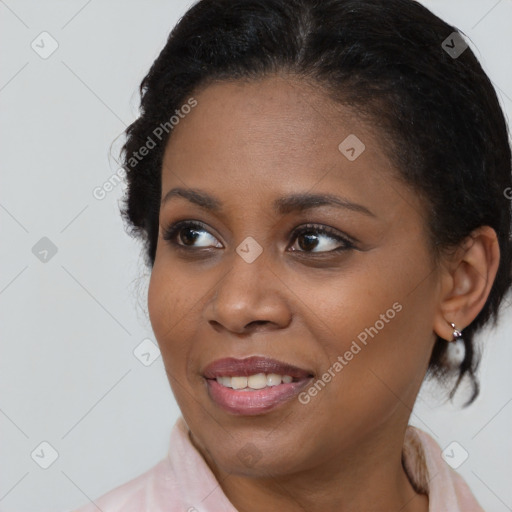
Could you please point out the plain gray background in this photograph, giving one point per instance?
(70, 325)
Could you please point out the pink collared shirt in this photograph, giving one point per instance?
(183, 482)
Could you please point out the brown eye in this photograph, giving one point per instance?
(327, 239)
(190, 234)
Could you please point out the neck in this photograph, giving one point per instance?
(367, 476)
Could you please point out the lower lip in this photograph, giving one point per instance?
(254, 402)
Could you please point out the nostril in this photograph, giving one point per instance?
(258, 322)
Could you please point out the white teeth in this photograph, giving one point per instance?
(273, 379)
(257, 381)
(238, 382)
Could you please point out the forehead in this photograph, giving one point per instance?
(291, 109)
(273, 136)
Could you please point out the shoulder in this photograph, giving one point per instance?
(136, 494)
(431, 474)
(174, 484)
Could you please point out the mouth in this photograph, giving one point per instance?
(253, 385)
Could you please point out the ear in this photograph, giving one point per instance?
(467, 278)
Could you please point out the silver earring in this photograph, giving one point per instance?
(456, 333)
(456, 349)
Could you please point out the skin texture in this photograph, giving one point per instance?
(247, 144)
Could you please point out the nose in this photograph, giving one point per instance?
(250, 297)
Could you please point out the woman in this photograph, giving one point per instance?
(320, 187)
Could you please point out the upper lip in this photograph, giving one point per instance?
(232, 367)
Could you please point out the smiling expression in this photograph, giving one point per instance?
(339, 242)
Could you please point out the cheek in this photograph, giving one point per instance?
(158, 302)
(170, 295)
(384, 289)
(167, 308)
(168, 315)
(176, 298)
(377, 318)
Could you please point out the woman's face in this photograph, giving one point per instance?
(351, 299)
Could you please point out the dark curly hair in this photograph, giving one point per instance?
(437, 112)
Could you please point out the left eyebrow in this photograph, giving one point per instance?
(301, 202)
(283, 205)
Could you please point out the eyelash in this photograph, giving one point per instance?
(171, 231)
